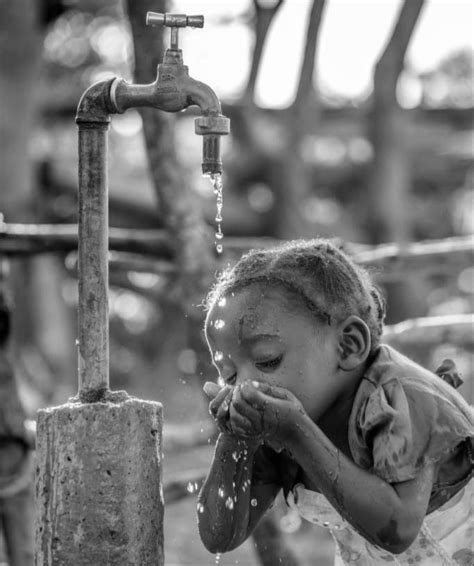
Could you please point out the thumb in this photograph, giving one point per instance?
(211, 389)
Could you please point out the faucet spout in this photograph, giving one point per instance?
(173, 91)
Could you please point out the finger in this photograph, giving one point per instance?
(271, 390)
(258, 392)
(240, 423)
(244, 408)
(211, 389)
(222, 413)
(216, 402)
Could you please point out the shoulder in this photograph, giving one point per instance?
(405, 417)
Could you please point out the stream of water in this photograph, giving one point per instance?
(216, 180)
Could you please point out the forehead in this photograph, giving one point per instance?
(253, 308)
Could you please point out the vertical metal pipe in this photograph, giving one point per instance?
(93, 342)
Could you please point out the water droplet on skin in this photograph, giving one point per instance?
(326, 524)
(229, 503)
(253, 502)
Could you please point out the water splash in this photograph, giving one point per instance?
(218, 356)
(192, 487)
(216, 180)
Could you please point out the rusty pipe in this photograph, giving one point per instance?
(93, 331)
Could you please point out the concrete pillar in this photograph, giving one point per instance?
(98, 486)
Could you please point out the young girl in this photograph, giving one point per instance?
(362, 440)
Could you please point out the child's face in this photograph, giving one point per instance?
(254, 334)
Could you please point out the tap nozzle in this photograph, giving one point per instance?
(211, 127)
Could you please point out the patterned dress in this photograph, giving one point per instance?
(403, 418)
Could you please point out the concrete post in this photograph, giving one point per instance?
(98, 491)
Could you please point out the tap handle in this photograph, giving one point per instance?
(174, 20)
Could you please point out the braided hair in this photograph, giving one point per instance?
(331, 285)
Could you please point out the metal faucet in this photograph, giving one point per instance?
(173, 91)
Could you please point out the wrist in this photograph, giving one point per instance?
(291, 433)
(232, 441)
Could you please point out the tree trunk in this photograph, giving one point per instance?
(389, 186)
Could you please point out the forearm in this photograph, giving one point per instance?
(224, 500)
(370, 504)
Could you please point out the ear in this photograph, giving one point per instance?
(354, 343)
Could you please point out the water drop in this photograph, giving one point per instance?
(253, 502)
(229, 503)
(326, 524)
(218, 558)
(221, 302)
(200, 508)
(218, 356)
(219, 323)
(191, 487)
(220, 492)
(216, 180)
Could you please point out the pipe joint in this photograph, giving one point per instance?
(95, 105)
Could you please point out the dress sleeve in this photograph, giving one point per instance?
(399, 429)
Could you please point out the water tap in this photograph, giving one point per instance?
(174, 90)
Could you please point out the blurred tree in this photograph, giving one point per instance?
(270, 145)
(450, 83)
(43, 339)
(390, 177)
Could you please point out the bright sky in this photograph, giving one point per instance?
(353, 34)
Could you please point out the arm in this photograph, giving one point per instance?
(388, 515)
(229, 505)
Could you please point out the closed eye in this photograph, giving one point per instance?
(269, 365)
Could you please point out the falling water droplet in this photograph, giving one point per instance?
(216, 180)
(200, 508)
(218, 558)
(219, 323)
(229, 503)
(220, 492)
(253, 502)
(218, 356)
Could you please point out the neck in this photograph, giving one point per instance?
(335, 419)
